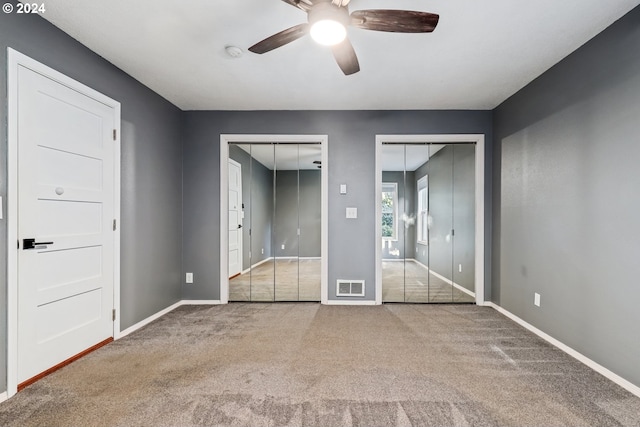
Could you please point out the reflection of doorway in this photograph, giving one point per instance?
(281, 202)
(429, 218)
(430, 188)
(235, 218)
(283, 211)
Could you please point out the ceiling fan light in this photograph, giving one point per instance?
(328, 32)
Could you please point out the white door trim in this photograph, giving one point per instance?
(15, 60)
(323, 140)
(478, 139)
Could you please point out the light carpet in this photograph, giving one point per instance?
(303, 364)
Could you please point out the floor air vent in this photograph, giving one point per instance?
(350, 288)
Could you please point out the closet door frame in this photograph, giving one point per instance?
(478, 140)
(225, 140)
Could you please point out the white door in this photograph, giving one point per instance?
(235, 218)
(66, 207)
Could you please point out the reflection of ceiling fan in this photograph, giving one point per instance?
(327, 22)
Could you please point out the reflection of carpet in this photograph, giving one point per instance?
(278, 280)
(409, 281)
(304, 364)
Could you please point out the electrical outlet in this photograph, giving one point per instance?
(262, 251)
(536, 299)
(459, 268)
(282, 246)
(189, 278)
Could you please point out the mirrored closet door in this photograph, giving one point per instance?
(277, 227)
(428, 220)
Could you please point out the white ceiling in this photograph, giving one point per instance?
(480, 54)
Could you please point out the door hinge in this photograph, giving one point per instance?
(113, 315)
(18, 244)
(453, 232)
(114, 225)
(115, 134)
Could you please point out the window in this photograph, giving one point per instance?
(423, 210)
(389, 211)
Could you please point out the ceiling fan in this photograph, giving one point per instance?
(327, 22)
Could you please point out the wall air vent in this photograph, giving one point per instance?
(350, 288)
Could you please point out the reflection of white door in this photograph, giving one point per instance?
(235, 218)
(65, 222)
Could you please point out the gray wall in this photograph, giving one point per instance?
(452, 206)
(464, 211)
(440, 171)
(257, 197)
(351, 161)
(406, 206)
(298, 201)
(310, 213)
(567, 202)
(151, 169)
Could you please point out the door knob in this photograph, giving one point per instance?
(239, 225)
(31, 243)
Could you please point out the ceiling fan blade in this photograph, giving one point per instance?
(346, 57)
(300, 4)
(395, 21)
(280, 39)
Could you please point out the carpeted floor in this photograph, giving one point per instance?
(310, 365)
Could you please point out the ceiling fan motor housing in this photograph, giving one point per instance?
(329, 11)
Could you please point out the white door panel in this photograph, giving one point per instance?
(68, 170)
(66, 196)
(61, 267)
(68, 218)
(235, 218)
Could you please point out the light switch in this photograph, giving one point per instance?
(352, 213)
(343, 188)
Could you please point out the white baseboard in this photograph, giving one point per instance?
(148, 320)
(349, 302)
(454, 284)
(3, 396)
(632, 388)
(161, 313)
(200, 302)
(172, 307)
(245, 271)
(440, 276)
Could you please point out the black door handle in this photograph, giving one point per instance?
(31, 243)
